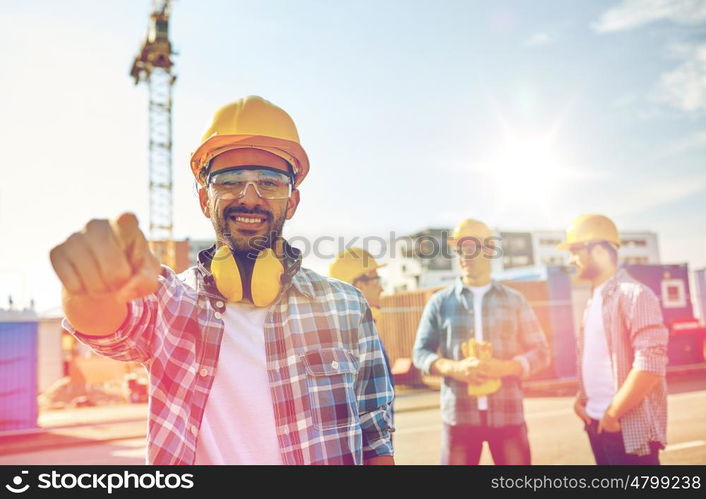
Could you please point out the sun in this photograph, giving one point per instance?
(526, 169)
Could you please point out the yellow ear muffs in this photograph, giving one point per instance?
(265, 282)
(227, 275)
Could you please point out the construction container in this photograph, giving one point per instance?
(700, 288)
(671, 285)
(18, 370)
(50, 364)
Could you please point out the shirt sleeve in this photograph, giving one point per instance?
(535, 356)
(648, 335)
(424, 353)
(374, 391)
(135, 339)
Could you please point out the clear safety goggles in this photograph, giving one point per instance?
(471, 247)
(232, 183)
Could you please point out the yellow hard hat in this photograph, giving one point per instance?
(469, 228)
(351, 264)
(251, 122)
(590, 228)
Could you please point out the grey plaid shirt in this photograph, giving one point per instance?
(637, 339)
(509, 323)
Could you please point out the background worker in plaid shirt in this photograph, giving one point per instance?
(252, 359)
(622, 352)
(477, 307)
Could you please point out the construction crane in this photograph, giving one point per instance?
(153, 64)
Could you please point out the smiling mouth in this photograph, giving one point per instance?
(247, 219)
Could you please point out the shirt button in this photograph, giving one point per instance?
(218, 315)
(220, 304)
(194, 430)
(203, 372)
(334, 364)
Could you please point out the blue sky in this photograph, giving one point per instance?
(413, 113)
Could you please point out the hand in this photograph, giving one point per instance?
(466, 371)
(608, 424)
(493, 368)
(580, 410)
(107, 260)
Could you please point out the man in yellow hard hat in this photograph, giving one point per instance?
(359, 268)
(622, 351)
(252, 358)
(507, 345)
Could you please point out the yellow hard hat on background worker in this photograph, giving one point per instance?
(469, 228)
(351, 264)
(251, 122)
(590, 228)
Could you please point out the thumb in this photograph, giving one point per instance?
(142, 283)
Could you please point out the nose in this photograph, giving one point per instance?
(250, 194)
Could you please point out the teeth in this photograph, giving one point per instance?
(248, 220)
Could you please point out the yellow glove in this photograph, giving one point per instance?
(482, 350)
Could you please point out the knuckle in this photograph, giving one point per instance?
(95, 224)
(75, 239)
(56, 253)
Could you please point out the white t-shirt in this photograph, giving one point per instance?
(239, 423)
(596, 369)
(478, 295)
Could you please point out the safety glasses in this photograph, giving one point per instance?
(232, 183)
(471, 247)
(368, 278)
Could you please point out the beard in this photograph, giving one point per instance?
(244, 242)
(590, 271)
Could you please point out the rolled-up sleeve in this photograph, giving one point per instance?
(535, 356)
(426, 344)
(374, 391)
(648, 335)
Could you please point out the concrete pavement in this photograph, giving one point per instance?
(95, 425)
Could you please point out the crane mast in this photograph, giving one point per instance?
(153, 65)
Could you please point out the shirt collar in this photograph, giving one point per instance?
(459, 287)
(610, 285)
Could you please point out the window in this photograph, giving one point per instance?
(673, 293)
(634, 243)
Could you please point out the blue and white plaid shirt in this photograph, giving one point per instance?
(330, 387)
(509, 323)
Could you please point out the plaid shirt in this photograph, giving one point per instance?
(637, 339)
(509, 323)
(330, 388)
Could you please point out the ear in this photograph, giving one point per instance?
(292, 204)
(203, 201)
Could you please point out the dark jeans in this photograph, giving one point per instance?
(609, 449)
(463, 444)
